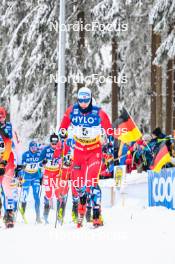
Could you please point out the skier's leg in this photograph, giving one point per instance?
(82, 205)
(3, 198)
(9, 212)
(79, 180)
(24, 195)
(46, 209)
(48, 184)
(94, 163)
(8, 191)
(96, 202)
(83, 200)
(36, 195)
(64, 182)
(58, 195)
(0, 201)
(88, 207)
(62, 194)
(75, 199)
(75, 202)
(3, 201)
(0, 207)
(57, 186)
(15, 199)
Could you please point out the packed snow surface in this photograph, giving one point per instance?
(132, 233)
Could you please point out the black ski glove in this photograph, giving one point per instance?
(18, 169)
(63, 133)
(3, 162)
(2, 171)
(44, 162)
(3, 132)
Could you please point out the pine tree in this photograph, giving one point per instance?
(29, 60)
(162, 17)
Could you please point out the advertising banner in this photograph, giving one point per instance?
(161, 188)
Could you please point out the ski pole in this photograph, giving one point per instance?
(60, 173)
(17, 209)
(65, 202)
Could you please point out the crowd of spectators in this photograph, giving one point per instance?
(139, 155)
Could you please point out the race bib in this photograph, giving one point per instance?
(32, 168)
(53, 164)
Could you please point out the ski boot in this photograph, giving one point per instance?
(46, 213)
(88, 214)
(97, 217)
(9, 218)
(75, 212)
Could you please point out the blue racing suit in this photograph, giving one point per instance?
(32, 176)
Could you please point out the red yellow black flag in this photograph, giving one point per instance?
(163, 157)
(126, 129)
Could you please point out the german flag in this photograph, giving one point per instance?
(126, 131)
(163, 157)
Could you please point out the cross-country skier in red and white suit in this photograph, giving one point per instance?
(55, 176)
(87, 122)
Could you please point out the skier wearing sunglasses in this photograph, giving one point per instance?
(87, 121)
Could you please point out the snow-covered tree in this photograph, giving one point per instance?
(133, 53)
(29, 37)
(162, 17)
(29, 54)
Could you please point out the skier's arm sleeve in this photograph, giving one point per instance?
(10, 132)
(66, 121)
(23, 159)
(106, 123)
(57, 153)
(42, 155)
(4, 133)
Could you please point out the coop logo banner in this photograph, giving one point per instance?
(161, 188)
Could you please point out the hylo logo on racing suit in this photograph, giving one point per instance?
(83, 120)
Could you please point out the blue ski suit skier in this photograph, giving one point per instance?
(31, 177)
